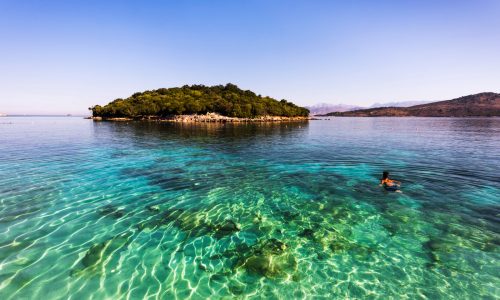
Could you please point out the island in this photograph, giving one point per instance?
(199, 103)
(477, 105)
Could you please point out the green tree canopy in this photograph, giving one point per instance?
(228, 100)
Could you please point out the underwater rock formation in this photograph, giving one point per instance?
(289, 216)
(153, 208)
(307, 233)
(192, 223)
(111, 211)
(270, 259)
(99, 253)
(227, 228)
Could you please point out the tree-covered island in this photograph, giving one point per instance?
(229, 102)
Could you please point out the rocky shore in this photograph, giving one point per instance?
(209, 117)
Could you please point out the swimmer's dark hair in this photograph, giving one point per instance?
(385, 174)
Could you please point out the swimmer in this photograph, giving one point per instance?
(389, 184)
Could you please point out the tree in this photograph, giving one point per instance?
(228, 100)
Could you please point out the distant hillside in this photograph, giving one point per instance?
(478, 105)
(399, 104)
(226, 100)
(324, 108)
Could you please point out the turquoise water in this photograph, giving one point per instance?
(97, 210)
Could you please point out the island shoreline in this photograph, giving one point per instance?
(207, 118)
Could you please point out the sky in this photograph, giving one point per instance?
(61, 57)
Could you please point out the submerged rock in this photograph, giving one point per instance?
(270, 265)
(267, 258)
(272, 246)
(192, 223)
(227, 228)
(289, 216)
(339, 246)
(153, 208)
(218, 277)
(236, 288)
(433, 248)
(307, 233)
(258, 218)
(94, 254)
(99, 253)
(259, 264)
(111, 211)
(203, 267)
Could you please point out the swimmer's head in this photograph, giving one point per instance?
(385, 174)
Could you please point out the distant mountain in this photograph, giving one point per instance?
(399, 104)
(324, 108)
(478, 105)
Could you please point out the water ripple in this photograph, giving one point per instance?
(163, 211)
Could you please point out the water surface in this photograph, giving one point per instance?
(175, 211)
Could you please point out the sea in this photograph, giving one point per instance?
(145, 210)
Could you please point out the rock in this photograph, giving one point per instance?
(216, 256)
(269, 259)
(338, 246)
(307, 233)
(258, 218)
(93, 255)
(202, 266)
(296, 277)
(99, 252)
(218, 277)
(153, 208)
(273, 246)
(258, 264)
(111, 211)
(321, 256)
(242, 248)
(236, 288)
(289, 216)
(227, 228)
(271, 266)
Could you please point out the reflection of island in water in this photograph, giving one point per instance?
(221, 133)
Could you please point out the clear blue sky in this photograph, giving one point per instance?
(64, 56)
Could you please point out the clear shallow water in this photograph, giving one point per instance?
(164, 211)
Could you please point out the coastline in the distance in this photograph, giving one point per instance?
(477, 105)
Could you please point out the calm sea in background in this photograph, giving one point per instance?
(163, 211)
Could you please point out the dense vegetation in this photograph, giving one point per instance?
(228, 100)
